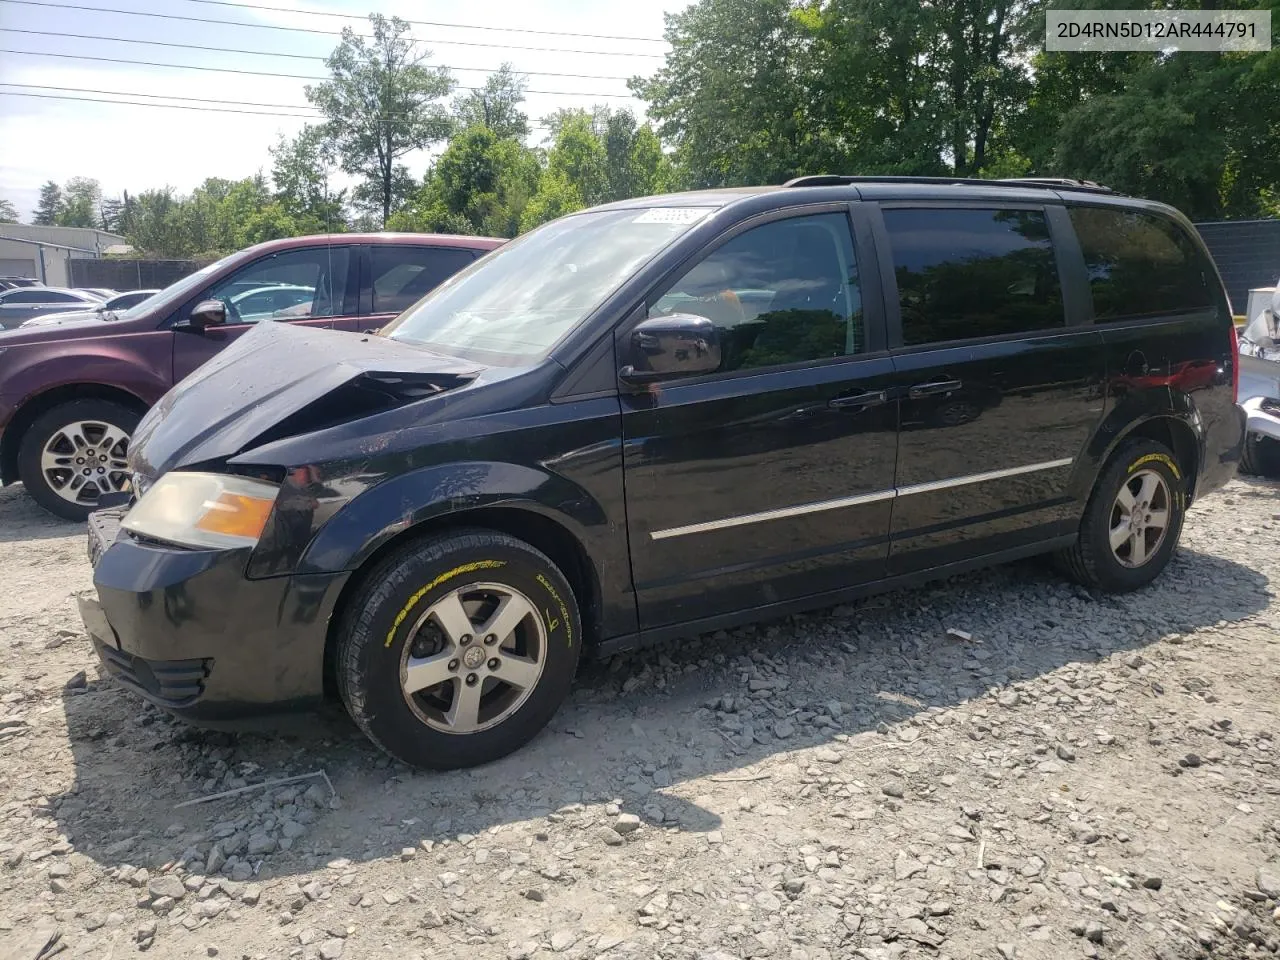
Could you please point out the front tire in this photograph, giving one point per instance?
(74, 453)
(1132, 522)
(458, 648)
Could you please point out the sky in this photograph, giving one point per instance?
(137, 147)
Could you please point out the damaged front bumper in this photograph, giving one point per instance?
(188, 631)
(1263, 416)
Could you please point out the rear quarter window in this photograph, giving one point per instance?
(404, 275)
(1140, 264)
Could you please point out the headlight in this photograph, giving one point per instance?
(203, 510)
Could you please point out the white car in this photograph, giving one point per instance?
(1260, 391)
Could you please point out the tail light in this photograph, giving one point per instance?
(1235, 363)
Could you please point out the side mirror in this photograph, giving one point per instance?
(662, 348)
(207, 313)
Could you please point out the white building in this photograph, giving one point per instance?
(43, 252)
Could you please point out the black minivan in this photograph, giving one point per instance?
(659, 417)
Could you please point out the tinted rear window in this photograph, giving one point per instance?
(1139, 264)
(404, 275)
(973, 273)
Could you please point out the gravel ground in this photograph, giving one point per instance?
(1086, 777)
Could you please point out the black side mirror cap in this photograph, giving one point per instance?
(207, 313)
(663, 348)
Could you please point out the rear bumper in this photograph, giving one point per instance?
(1223, 446)
(185, 630)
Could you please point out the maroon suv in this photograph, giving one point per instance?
(71, 394)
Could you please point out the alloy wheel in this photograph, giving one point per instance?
(84, 460)
(1140, 518)
(473, 658)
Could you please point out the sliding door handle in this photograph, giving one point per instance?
(860, 400)
(932, 388)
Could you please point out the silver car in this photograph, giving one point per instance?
(1260, 391)
(23, 303)
(112, 309)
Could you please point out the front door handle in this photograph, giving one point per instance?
(932, 388)
(860, 400)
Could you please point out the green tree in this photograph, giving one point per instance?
(152, 227)
(80, 199)
(480, 185)
(381, 104)
(110, 210)
(496, 105)
(301, 170)
(556, 196)
(49, 205)
(735, 93)
(8, 212)
(578, 157)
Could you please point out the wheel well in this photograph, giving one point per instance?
(538, 531)
(26, 415)
(1179, 438)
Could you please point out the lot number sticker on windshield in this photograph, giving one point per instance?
(672, 215)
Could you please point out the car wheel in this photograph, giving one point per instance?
(457, 649)
(1132, 522)
(73, 454)
(1261, 456)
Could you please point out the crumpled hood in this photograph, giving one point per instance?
(278, 380)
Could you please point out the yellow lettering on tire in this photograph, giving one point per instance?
(447, 575)
(1157, 458)
(564, 611)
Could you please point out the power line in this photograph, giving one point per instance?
(290, 106)
(136, 103)
(290, 76)
(432, 23)
(333, 33)
(179, 106)
(190, 46)
(157, 96)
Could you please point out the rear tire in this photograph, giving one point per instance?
(68, 440)
(1260, 456)
(458, 648)
(1123, 547)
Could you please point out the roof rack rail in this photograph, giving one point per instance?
(835, 179)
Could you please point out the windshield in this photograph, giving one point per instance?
(514, 305)
(175, 292)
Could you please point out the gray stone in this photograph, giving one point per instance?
(609, 837)
(626, 823)
(784, 729)
(894, 788)
(1065, 752)
(332, 949)
(167, 886)
(562, 940)
(260, 844)
(1268, 880)
(904, 868)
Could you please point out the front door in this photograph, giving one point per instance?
(771, 479)
(999, 392)
(309, 286)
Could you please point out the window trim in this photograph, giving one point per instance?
(871, 308)
(893, 303)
